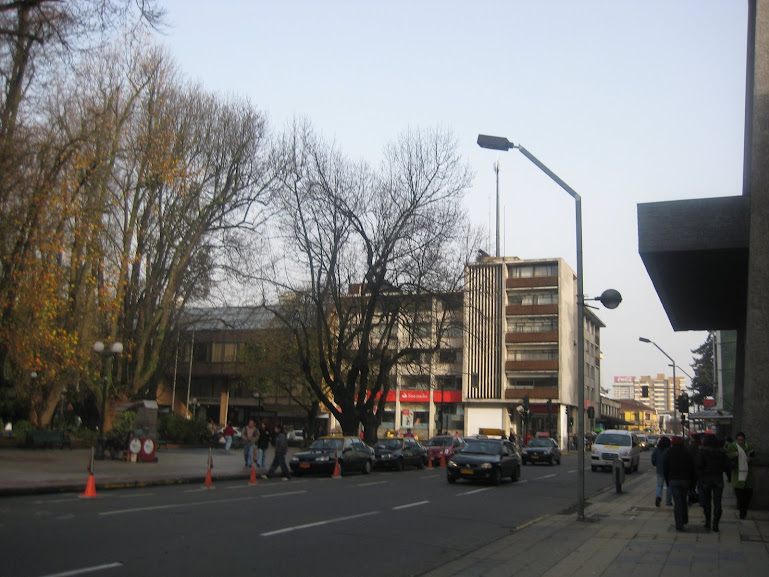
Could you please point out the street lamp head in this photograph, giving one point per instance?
(494, 142)
(644, 340)
(116, 348)
(98, 346)
(610, 298)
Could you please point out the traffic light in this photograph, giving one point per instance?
(526, 403)
(591, 412)
(683, 403)
(675, 403)
(570, 416)
(549, 406)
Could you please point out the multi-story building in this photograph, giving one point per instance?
(640, 416)
(520, 346)
(658, 393)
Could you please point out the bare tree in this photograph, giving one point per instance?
(364, 255)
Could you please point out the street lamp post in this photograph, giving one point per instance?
(115, 349)
(673, 364)
(610, 299)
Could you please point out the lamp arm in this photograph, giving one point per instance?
(548, 172)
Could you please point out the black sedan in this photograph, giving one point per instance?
(351, 453)
(485, 460)
(397, 453)
(541, 451)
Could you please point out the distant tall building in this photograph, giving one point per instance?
(658, 393)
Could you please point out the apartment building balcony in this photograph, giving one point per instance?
(544, 365)
(529, 310)
(530, 282)
(540, 337)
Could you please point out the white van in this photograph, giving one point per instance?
(616, 444)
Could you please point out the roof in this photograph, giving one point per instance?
(224, 318)
(632, 404)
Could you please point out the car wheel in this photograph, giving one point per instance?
(451, 479)
(497, 478)
(558, 462)
(516, 474)
(366, 467)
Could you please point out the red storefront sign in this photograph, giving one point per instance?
(423, 396)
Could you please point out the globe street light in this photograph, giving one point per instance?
(610, 298)
(115, 349)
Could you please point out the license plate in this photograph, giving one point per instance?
(467, 471)
(533, 457)
(304, 465)
(611, 447)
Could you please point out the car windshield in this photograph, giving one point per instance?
(326, 444)
(483, 447)
(439, 442)
(613, 439)
(389, 444)
(540, 443)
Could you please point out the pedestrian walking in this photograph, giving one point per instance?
(680, 476)
(228, 432)
(262, 444)
(658, 460)
(743, 479)
(279, 460)
(250, 434)
(711, 464)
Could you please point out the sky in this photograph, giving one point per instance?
(628, 102)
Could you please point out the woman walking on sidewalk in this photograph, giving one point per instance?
(712, 463)
(658, 458)
(680, 475)
(743, 479)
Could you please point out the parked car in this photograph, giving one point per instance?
(544, 450)
(399, 452)
(443, 446)
(651, 441)
(295, 438)
(484, 460)
(237, 439)
(616, 444)
(321, 457)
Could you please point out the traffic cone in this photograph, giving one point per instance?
(443, 461)
(252, 480)
(429, 462)
(90, 488)
(337, 468)
(209, 483)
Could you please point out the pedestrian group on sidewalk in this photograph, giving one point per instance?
(695, 474)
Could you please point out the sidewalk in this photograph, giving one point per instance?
(625, 535)
(25, 471)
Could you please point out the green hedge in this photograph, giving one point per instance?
(176, 429)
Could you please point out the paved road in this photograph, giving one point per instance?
(382, 524)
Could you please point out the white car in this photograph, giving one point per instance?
(616, 444)
(295, 437)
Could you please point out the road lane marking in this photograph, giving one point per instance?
(46, 501)
(317, 524)
(547, 476)
(196, 504)
(131, 496)
(373, 483)
(474, 492)
(84, 570)
(417, 504)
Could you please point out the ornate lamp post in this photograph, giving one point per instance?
(106, 365)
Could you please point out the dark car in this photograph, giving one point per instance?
(397, 453)
(443, 447)
(484, 460)
(541, 451)
(352, 454)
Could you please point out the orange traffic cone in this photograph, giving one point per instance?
(429, 462)
(337, 468)
(90, 488)
(443, 460)
(252, 480)
(209, 483)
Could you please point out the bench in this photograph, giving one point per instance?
(47, 439)
(161, 444)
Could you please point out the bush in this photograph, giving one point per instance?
(176, 429)
(122, 426)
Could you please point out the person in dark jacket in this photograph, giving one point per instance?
(712, 463)
(680, 475)
(658, 456)
(281, 449)
(262, 444)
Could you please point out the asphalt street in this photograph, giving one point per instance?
(382, 524)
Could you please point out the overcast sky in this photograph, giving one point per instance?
(626, 101)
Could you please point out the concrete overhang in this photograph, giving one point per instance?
(696, 254)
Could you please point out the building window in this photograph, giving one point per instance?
(533, 355)
(533, 325)
(515, 383)
(448, 356)
(543, 298)
(224, 352)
